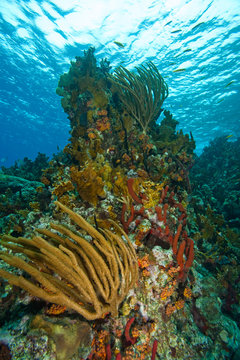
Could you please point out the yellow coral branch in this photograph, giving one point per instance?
(91, 278)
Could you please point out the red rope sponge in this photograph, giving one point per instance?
(128, 337)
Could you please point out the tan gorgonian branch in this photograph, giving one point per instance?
(142, 92)
(91, 278)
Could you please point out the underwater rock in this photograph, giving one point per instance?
(18, 195)
(17, 184)
(68, 336)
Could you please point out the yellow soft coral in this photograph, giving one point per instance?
(120, 188)
(88, 182)
(62, 188)
(152, 193)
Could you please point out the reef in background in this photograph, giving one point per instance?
(216, 178)
(121, 165)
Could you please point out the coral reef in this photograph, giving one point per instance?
(216, 178)
(18, 196)
(167, 285)
(28, 169)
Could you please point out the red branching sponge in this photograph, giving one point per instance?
(165, 208)
(180, 254)
(129, 339)
(154, 349)
(164, 194)
(158, 210)
(131, 191)
(190, 255)
(126, 223)
(175, 239)
(108, 352)
(164, 233)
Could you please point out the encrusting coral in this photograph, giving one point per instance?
(90, 278)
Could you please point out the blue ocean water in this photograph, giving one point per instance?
(201, 38)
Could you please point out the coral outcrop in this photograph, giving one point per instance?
(162, 279)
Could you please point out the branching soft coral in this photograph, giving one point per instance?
(142, 92)
(66, 269)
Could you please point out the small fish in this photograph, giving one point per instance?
(219, 101)
(179, 70)
(232, 81)
(175, 31)
(196, 26)
(229, 136)
(168, 23)
(184, 51)
(119, 44)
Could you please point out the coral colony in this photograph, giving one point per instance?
(103, 254)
